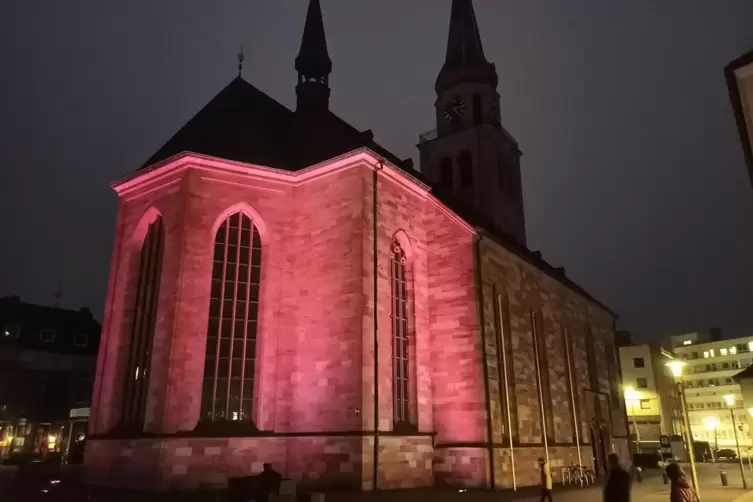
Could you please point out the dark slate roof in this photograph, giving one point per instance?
(244, 124)
(24, 323)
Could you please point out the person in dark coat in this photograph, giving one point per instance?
(680, 489)
(617, 488)
(269, 483)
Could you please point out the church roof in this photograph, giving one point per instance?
(465, 60)
(244, 124)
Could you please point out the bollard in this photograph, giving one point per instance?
(665, 478)
(639, 474)
(723, 475)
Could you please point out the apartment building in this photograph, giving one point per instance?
(651, 398)
(707, 379)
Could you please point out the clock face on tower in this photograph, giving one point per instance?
(454, 109)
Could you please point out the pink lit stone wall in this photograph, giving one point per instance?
(314, 394)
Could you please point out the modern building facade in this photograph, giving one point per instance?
(47, 366)
(285, 290)
(651, 398)
(708, 378)
(739, 75)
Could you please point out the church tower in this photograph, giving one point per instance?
(470, 155)
(313, 63)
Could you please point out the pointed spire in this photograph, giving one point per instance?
(313, 60)
(465, 60)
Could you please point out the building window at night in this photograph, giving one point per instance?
(233, 318)
(144, 319)
(47, 335)
(542, 367)
(80, 340)
(401, 369)
(11, 331)
(642, 383)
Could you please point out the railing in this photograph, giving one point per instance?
(428, 136)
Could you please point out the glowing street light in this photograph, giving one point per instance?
(677, 366)
(712, 424)
(730, 400)
(632, 396)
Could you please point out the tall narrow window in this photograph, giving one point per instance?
(542, 366)
(505, 365)
(400, 349)
(501, 175)
(143, 324)
(233, 316)
(477, 112)
(465, 164)
(445, 172)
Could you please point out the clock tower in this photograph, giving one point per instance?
(470, 156)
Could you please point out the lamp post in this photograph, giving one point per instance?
(633, 396)
(677, 367)
(730, 399)
(713, 423)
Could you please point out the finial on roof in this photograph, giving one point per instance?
(241, 58)
(465, 60)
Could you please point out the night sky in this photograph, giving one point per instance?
(633, 173)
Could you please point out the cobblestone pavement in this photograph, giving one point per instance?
(651, 489)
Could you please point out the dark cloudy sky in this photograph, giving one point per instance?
(633, 176)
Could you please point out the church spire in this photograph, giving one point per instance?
(465, 60)
(313, 63)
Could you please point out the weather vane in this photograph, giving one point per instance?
(241, 58)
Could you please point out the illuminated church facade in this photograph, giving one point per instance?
(285, 290)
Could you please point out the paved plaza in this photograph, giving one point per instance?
(651, 489)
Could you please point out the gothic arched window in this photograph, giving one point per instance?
(142, 325)
(401, 367)
(233, 318)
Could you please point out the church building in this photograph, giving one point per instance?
(283, 289)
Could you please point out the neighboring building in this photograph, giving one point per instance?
(47, 366)
(708, 377)
(739, 75)
(651, 398)
(285, 290)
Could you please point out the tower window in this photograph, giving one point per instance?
(445, 171)
(501, 181)
(477, 115)
(233, 315)
(465, 161)
(144, 321)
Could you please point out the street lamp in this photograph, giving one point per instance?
(730, 399)
(713, 423)
(633, 396)
(677, 366)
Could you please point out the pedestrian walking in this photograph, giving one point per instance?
(617, 488)
(680, 489)
(546, 480)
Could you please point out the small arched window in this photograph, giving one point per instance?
(401, 350)
(143, 323)
(230, 361)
